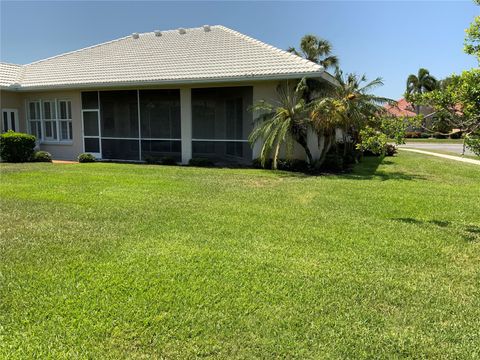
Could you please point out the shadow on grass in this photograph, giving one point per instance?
(469, 233)
(368, 169)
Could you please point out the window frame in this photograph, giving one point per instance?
(54, 121)
(37, 119)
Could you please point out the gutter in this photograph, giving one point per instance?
(83, 86)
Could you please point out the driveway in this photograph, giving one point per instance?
(451, 148)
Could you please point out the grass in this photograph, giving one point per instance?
(136, 261)
(435, 141)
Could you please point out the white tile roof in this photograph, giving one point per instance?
(10, 74)
(220, 54)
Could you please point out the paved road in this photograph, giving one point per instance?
(452, 148)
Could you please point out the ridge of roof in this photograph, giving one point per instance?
(125, 60)
(101, 44)
(268, 46)
(76, 51)
(10, 64)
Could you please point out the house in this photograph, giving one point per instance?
(402, 108)
(180, 93)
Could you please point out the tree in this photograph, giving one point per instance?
(420, 83)
(349, 106)
(457, 103)
(316, 49)
(282, 123)
(472, 39)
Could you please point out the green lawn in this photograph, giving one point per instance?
(137, 261)
(435, 141)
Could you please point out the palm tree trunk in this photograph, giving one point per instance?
(303, 142)
(275, 156)
(327, 144)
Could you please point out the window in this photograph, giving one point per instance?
(50, 120)
(65, 120)
(35, 119)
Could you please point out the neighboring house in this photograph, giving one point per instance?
(402, 108)
(180, 93)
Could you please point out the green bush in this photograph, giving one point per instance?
(163, 160)
(257, 164)
(42, 156)
(86, 158)
(413, 134)
(201, 162)
(425, 135)
(151, 159)
(438, 135)
(294, 165)
(333, 162)
(390, 150)
(167, 160)
(456, 135)
(16, 147)
(473, 143)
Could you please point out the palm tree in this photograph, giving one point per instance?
(349, 106)
(284, 122)
(421, 83)
(317, 50)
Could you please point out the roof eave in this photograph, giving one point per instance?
(181, 82)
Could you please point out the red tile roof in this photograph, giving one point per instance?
(401, 108)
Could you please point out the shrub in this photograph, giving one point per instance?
(294, 165)
(257, 164)
(167, 160)
(473, 143)
(164, 160)
(42, 156)
(438, 135)
(425, 136)
(390, 150)
(201, 162)
(151, 159)
(333, 162)
(16, 147)
(456, 135)
(413, 134)
(86, 158)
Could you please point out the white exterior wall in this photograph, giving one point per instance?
(265, 90)
(14, 100)
(61, 150)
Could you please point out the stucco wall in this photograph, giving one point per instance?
(14, 100)
(62, 151)
(265, 90)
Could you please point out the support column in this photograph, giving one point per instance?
(186, 123)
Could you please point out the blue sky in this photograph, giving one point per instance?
(390, 39)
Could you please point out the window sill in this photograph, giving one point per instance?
(56, 142)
